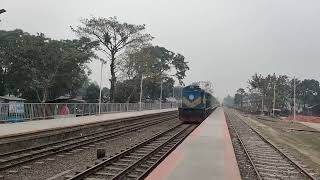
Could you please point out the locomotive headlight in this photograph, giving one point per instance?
(191, 97)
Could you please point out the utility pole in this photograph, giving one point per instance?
(161, 93)
(262, 105)
(140, 102)
(100, 95)
(294, 98)
(173, 91)
(274, 98)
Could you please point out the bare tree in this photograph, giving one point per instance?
(113, 37)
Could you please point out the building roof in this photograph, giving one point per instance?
(12, 98)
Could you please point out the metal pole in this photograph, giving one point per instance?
(100, 95)
(161, 94)
(181, 95)
(173, 91)
(294, 98)
(274, 98)
(262, 105)
(140, 102)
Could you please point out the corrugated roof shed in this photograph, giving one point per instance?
(12, 98)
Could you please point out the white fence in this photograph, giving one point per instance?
(17, 112)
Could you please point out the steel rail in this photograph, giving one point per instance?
(74, 145)
(80, 137)
(149, 170)
(245, 149)
(111, 160)
(276, 148)
(93, 124)
(128, 169)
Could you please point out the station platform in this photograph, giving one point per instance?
(18, 129)
(207, 153)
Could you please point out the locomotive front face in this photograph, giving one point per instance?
(192, 98)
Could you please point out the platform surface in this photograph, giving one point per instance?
(13, 129)
(206, 154)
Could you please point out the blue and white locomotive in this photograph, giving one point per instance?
(197, 104)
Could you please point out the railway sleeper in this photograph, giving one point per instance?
(259, 165)
(278, 176)
(272, 155)
(258, 144)
(105, 174)
(265, 157)
(158, 155)
(154, 159)
(138, 170)
(112, 169)
(277, 171)
(275, 160)
(265, 154)
(95, 179)
(147, 148)
(142, 151)
(144, 166)
(120, 164)
(265, 162)
(263, 151)
(131, 158)
(126, 161)
(132, 176)
(136, 154)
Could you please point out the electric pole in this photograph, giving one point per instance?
(294, 98)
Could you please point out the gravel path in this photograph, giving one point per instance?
(78, 159)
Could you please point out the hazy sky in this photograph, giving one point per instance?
(225, 41)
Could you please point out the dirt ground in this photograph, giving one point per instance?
(312, 125)
(300, 141)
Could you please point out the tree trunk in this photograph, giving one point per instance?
(113, 77)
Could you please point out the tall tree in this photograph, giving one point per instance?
(154, 63)
(239, 97)
(228, 101)
(42, 67)
(167, 61)
(92, 92)
(113, 36)
(309, 90)
(258, 82)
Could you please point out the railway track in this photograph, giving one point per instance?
(138, 161)
(20, 157)
(269, 162)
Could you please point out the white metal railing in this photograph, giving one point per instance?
(18, 112)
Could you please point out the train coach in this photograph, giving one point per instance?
(197, 104)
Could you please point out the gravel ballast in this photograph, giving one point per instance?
(56, 167)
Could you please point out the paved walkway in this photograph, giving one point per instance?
(7, 130)
(206, 154)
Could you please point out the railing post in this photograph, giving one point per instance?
(75, 109)
(31, 115)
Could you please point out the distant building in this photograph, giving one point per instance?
(313, 110)
(8, 99)
(67, 99)
(11, 109)
(171, 100)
